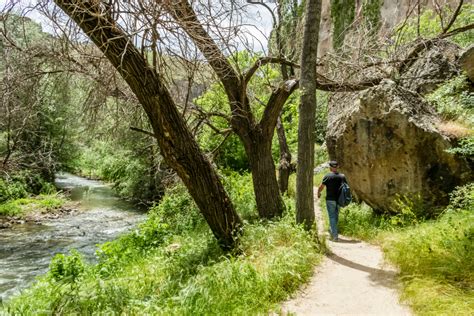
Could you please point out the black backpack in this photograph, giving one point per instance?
(345, 196)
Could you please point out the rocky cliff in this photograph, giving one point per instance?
(392, 12)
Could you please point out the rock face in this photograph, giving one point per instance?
(436, 65)
(388, 145)
(391, 13)
(466, 62)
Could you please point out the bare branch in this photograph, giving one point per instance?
(458, 30)
(215, 151)
(136, 129)
(439, 11)
(267, 60)
(453, 18)
(184, 14)
(347, 87)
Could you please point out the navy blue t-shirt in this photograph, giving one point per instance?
(333, 182)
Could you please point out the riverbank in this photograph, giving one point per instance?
(172, 264)
(36, 209)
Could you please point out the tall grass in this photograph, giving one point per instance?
(359, 220)
(436, 261)
(164, 268)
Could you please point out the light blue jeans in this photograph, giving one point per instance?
(333, 214)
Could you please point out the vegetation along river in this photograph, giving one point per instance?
(26, 250)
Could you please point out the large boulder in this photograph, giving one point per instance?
(466, 62)
(435, 65)
(389, 146)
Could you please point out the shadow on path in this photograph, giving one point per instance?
(382, 277)
(348, 241)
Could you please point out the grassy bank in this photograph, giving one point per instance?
(436, 261)
(172, 265)
(30, 206)
(435, 257)
(26, 194)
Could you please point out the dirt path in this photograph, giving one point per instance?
(352, 280)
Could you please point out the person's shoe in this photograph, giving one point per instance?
(331, 238)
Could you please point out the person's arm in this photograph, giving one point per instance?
(322, 186)
(320, 189)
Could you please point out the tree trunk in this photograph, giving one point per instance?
(267, 195)
(177, 145)
(285, 155)
(307, 119)
(285, 158)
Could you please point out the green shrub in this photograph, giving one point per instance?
(240, 189)
(23, 183)
(10, 190)
(178, 210)
(411, 210)
(50, 202)
(67, 268)
(453, 100)
(115, 255)
(11, 208)
(277, 258)
(133, 176)
(465, 148)
(462, 198)
(24, 206)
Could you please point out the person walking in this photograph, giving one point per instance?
(332, 181)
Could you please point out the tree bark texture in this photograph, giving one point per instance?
(285, 169)
(267, 195)
(307, 119)
(177, 145)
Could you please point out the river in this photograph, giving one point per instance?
(26, 250)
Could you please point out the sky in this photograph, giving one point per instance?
(257, 22)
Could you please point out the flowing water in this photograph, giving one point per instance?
(26, 250)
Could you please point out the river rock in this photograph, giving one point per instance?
(466, 62)
(4, 225)
(388, 144)
(433, 67)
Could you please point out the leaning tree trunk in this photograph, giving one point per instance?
(177, 145)
(307, 119)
